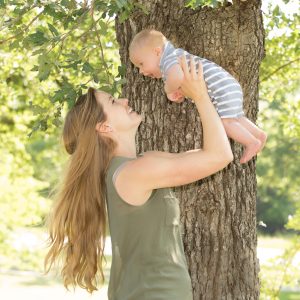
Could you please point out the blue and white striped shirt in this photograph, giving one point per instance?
(224, 90)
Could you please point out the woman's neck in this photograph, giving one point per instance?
(126, 147)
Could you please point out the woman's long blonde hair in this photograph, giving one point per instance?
(77, 225)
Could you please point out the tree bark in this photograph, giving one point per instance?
(218, 213)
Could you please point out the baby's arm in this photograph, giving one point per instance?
(174, 78)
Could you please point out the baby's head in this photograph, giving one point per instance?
(145, 51)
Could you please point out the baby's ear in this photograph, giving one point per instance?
(158, 50)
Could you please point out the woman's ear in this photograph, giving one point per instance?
(103, 127)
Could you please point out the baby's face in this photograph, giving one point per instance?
(147, 60)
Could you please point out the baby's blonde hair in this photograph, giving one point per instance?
(148, 38)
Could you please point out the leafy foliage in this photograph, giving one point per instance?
(71, 44)
(278, 165)
(202, 3)
(277, 168)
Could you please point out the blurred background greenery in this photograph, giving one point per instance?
(54, 59)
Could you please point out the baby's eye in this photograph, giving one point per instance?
(113, 100)
(141, 64)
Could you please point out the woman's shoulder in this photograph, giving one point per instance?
(140, 163)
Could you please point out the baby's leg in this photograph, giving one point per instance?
(257, 132)
(242, 135)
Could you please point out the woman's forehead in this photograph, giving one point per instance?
(102, 97)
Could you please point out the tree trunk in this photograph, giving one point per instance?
(219, 212)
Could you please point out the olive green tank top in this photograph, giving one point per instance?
(148, 260)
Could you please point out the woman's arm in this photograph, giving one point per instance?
(157, 169)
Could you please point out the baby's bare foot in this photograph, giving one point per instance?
(250, 151)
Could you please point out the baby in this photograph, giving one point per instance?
(156, 57)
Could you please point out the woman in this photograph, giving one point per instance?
(148, 260)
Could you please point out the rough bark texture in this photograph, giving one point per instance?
(218, 213)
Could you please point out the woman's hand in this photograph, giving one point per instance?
(193, 85)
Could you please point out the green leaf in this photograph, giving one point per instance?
(14, 45)
(122, 70)
(38, 38)
(58, 96)
(66, 93)
(121, 3)
(44, 124)
(122, 81)
(44, 73)
(53, 30)
(71, 102)
(38, 51)
(65, 3)
(87, 68)
(201, 3)
(57, 122)
(103, 27)
(44, 67)
(55, 11)
(276, 11)
(69, 20)
(95, 78)
(79, 12)
(142, 7)
(38, 110)
(35, 68)
(106, 88)
(73, 65)
(124, 16)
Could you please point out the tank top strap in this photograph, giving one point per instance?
(115, 166)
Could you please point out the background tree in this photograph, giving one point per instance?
(218, 216)
(278, 171)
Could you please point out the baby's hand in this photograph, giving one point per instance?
(176, 96)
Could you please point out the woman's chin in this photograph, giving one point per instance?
(140, 119)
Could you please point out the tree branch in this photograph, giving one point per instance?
(84, 4)
(88, 31)
(279, 68)
(101, 48)
(26, 27)
(288, 262)
(65, 35)
(13, 21)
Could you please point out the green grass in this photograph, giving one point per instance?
(284, 295)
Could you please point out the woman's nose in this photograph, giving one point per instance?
(124, 101)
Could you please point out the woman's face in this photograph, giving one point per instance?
(120, 116)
